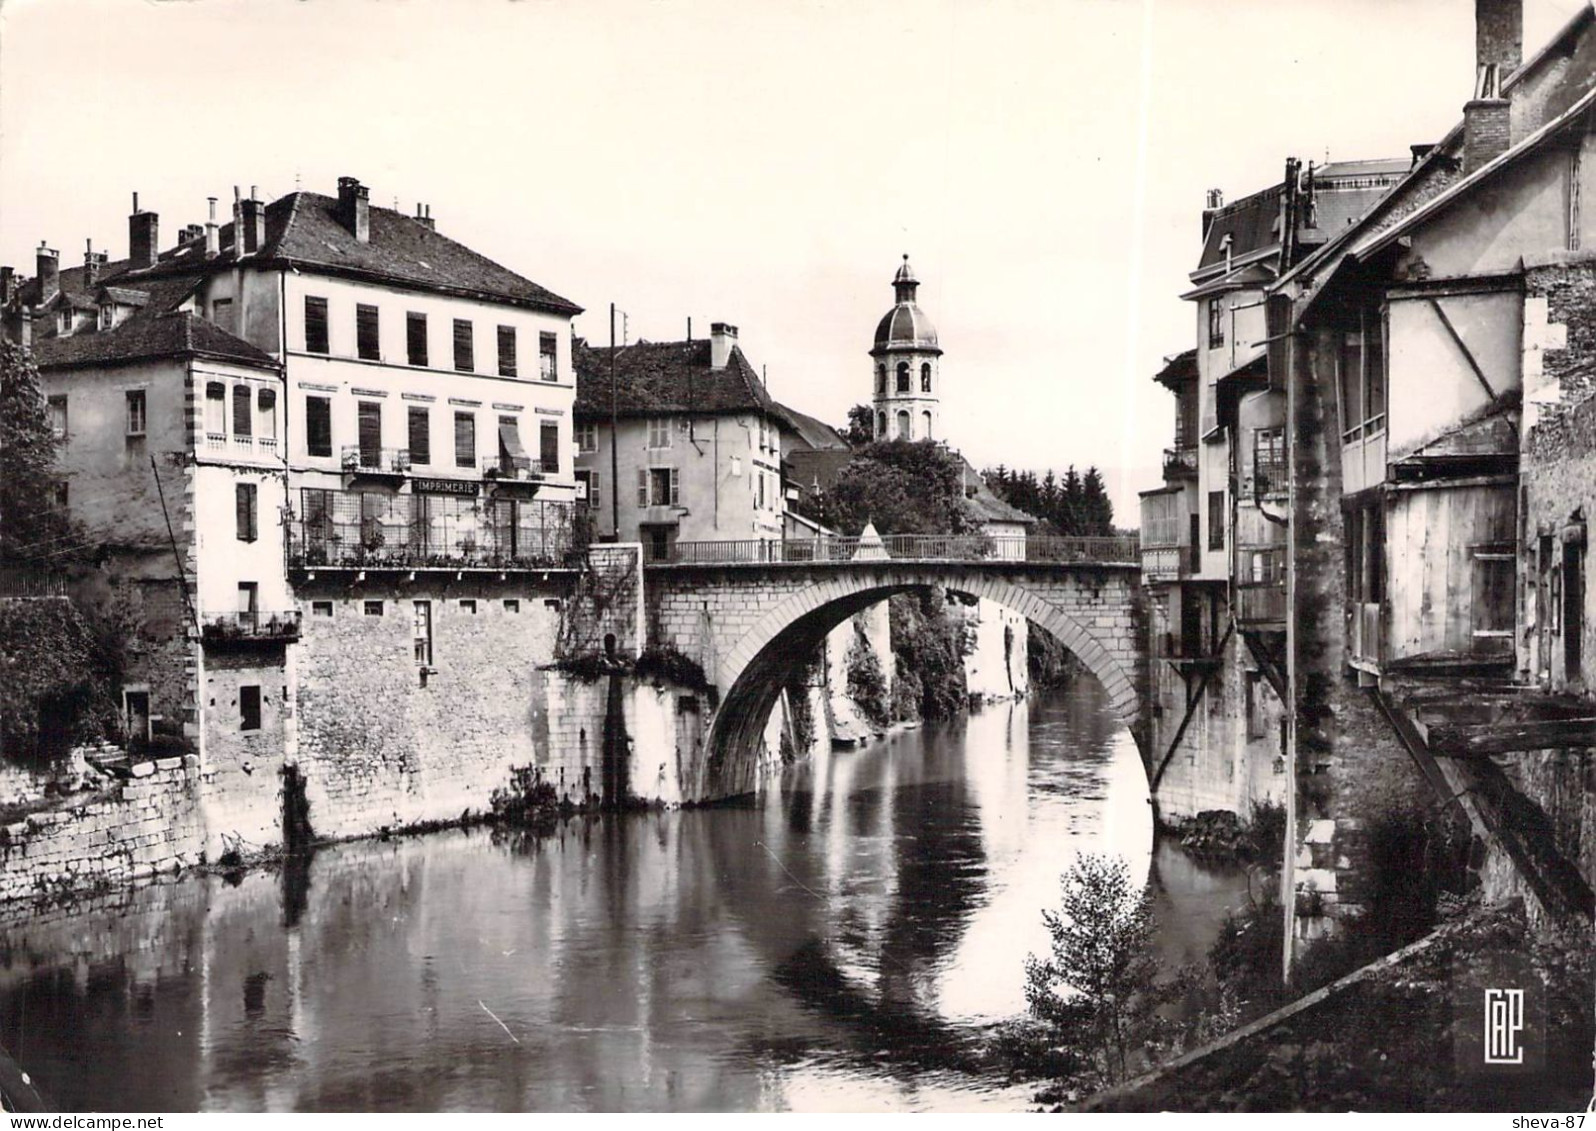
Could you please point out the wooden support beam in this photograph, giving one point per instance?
(1507, 736)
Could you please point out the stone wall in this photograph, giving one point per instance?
(141, 827)
(241, 794)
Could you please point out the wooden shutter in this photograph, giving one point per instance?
(315, 325)
(318, 426)
(420, 435)
(465, 439)
(366, 339)
(416, 337)
(676, 488)
(370, 433)
(642, 487)
(507, 351)
(549, 447)
(246, 500)
(463, 358)
(242, 417)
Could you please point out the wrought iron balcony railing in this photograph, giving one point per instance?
(359, 459)
(1180, 461)
(251, 626)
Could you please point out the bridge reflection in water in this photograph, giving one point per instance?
(842, 944)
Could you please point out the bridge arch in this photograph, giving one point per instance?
(751, 672)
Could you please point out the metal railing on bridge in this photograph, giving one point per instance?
(904, 548)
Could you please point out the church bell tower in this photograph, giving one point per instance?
(904, 363)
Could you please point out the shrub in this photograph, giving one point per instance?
(867, 683)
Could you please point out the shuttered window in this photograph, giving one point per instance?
(464, 358)
(506, 351)
(547, 347)
(216, 408)
(318, 426)
(366, 332)
(465, 439)
(243, 418)
(549, 447)
(248, 529)
(266, 407)
(370, 433)
(416, 338)
(420, 435)
(315, 324)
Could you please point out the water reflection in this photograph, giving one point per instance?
(842, 944)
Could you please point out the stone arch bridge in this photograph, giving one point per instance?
(751, 611)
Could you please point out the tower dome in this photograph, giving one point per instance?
(905, 358)
(906, 326)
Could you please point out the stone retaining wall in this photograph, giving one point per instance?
(141, 827)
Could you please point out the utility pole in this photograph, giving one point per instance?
(615, 441)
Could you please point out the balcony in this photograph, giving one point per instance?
(353, 530)
(251, 627)
(1180, 462)
(1261, 606)
(516, 469)
(357, 459)
(1166, 563)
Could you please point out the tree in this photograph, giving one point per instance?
(32, 526)
(861, 428)
(902, 487)
(1097, 992)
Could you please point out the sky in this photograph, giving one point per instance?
(765, 164)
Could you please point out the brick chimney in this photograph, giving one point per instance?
(354, 208)
(190, 233)
(424, 216)
(47, 265)
(143, 236)
(722, 337)
(254, 222)
(92, 262)
(1498, 52)
(213, 235)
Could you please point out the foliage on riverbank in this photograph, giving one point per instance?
(928, 647)
(1219, 836)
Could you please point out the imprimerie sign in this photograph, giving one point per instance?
(445, 486)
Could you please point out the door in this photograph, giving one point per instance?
(136, 716)
(1573, 610)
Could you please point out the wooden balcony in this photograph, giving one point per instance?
(1180, 462)
(1166, 563)
(1261, 606)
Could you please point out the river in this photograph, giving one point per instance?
(845, 943)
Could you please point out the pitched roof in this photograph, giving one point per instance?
(813, 434)
(986, 504)
(662, 378)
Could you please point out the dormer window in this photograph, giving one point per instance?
(107, 315)
(64, 322)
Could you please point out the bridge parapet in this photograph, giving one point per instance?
(916, 548)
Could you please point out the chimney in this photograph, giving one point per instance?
(213, 236)
(254, 222)
(424, 217)
(354, 208)
(143, 236)
(722, 337)
(48, 270)
(238, 222)
(1498, 51)
(190, 232)
(92, 264)
(1212, 203)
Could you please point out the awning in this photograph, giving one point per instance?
(510, 440)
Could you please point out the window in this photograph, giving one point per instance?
(903, 425)
(659, 542)
(925, 377)
(223, 315)
(1268, 461)
(588, 486)
(315, 324)
(135, 412)
(465, 439)
(248, 603)
(659, 432)
(423, 632)
(1362, 377)
(369, 421)
(373, 608)
(243, 415)
(464, 358)
(266, 407)
(512, 605)
(1216, 520)
(249, 706)
(468, 606)
(549, 447)
(246, 507)
(1216, 324)
(903, 376)
(546, 356)
(1365, 550)
(416, 338)
(925, 425)
(587, 437)
(366, 337)
(1573, 616)
(420, 435)
(759, 491)
(657, 487)
(318, 426)
(881, 425)
(881, 380)
(107, 315)
(321, 608)
(507, 351)
(58, 417)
